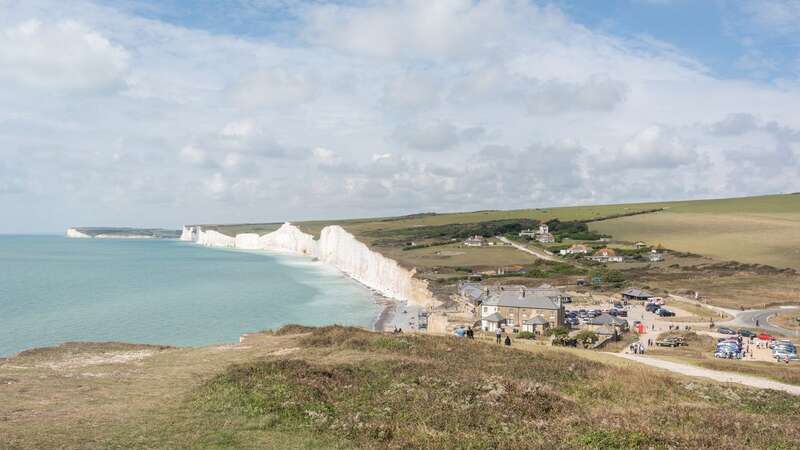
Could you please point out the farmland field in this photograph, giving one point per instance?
(763, 230)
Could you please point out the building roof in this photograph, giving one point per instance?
(635, 292)
(525, 299)
(472, 290)
(607, 319)
(536, 320)
(605, 331)
(605, 252)
(496, 317)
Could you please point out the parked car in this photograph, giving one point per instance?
(725, 330)
(622, 313)
(746, 333)
(665, 312)
(765, 337)
(651, 307)
(782, 356)
(673, 341)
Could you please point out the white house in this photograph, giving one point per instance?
(475, 241)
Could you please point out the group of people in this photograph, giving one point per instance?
(498, 334)
(678, 327)
(637, 348)
(465, 332)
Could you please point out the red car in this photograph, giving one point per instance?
(765, 337)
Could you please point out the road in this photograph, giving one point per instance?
(537, 253)
(716, 375)
(748, 318)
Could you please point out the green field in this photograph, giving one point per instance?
(347, 388)
(761, 230)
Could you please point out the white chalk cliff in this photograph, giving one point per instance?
(73, 233)
(336, 247)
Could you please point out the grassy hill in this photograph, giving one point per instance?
(340, 387)
(762, 230)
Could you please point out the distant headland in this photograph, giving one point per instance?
(122, 233)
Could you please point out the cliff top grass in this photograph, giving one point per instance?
(338, 387)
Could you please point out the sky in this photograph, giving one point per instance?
(160, 113)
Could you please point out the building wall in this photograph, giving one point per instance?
(519, 315)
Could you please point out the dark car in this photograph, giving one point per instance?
(622, 313)
(651, 307)
(746, 333)
(724, 330)
(665, 313)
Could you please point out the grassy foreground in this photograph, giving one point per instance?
(338, 387)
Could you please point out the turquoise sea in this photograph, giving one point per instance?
(54, 289)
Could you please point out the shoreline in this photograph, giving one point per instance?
(388, 306)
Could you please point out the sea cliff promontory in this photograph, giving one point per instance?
(121, 233)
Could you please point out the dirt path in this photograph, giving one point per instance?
(716, 375)
(537, 253)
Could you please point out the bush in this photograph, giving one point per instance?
(587, 338)
(563, 330)
(565, 341)
(526, 335)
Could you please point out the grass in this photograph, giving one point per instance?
(787, 320)
(763, 230)
(338, 387)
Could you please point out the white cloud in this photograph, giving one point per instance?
(193, 155)
(655, 148)
(412, 92)
(434, 136)
(595, 94)
(411, 28)
(780, 16)
(273, 88)
(367, 108)
(62, 56)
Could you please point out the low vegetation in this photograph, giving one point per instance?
(338, 387)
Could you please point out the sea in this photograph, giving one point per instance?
(54, 289)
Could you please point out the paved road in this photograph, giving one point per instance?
(716, 375)
(748, 318)
(537, 253)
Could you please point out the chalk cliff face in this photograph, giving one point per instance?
(341, 249)
(212, 238)
(247, 241)
(73, 233)
(289, 238)
(336, 247)
(187, 234)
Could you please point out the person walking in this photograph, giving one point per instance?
(508, 342)
(756, 323)
(498, 332)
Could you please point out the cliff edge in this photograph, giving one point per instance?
(336, 247)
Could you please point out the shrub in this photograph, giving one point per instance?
(526, 335)
(563, 330)
(587, 338)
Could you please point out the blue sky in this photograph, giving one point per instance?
(158, 113)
